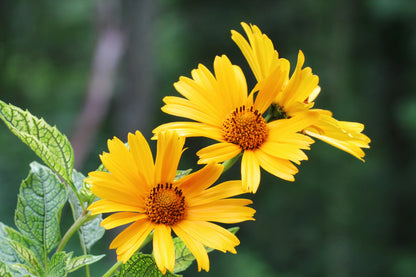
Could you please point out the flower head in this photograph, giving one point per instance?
(298, 93)
(224, 111)
(146, 194)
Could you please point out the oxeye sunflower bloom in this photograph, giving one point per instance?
(145, 193)
(224, 111)
(298, 93)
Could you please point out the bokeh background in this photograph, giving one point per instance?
(98, 69)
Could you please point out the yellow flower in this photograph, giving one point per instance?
(147, 195)
(298, 93)
(224, 112)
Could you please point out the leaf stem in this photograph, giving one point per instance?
(119, 263)
(85, 217)
(229, 163)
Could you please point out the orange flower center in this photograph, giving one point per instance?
(165, 205)
(245, 127)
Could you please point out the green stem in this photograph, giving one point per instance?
(229, 163)
(119, 263)
(85, 217)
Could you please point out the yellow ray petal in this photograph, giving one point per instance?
(284, 151)
(202, 93)
(184, 108)
(116, 195)
(143, 158)
(191, 129)
(196, 247)
(169, 151)
(132, 240)
(232, 82)
(271, 86)
(283, 127)
(281, 168)
(198, 181)
(137, 231)
(220, 191)
(250, 172)
(163, 249)
(119, 219)
(211, 235)
(218, 152)
(224, 210)
(109, 206)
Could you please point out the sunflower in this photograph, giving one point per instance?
(298, 93)
(147, 195)
(224, 111)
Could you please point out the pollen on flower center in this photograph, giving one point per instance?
(165, 205)
(245, 127)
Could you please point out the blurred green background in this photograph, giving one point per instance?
(99, 69)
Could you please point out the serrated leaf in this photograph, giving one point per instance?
(142, 265)
(57, 265)
(78, 262)
(39, 205)
(91, 231)
(46, 141)
(184, 257)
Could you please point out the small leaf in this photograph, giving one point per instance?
(91, 231)
(142, 265)
(184, 257)
(78, 262)
(39, 207)
(57, 265)
(47, 142)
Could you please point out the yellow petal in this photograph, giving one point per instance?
(169, 151)
(163, 248)
(132, 235)
(109, 206)
(220, 191)
(198, 181)
(218, 152)
(119, 219)
(196, 247)
(143, 158)
(191, 129)
(224, 210)
(232, 82)
(279, 167)
(211, 235)
(284, 151)
(250, 172)
(184, 108)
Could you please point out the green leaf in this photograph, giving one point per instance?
(13, 253)
(47, 142)
(4, 271)
(142, 265)
(34, 266)
(78, 262)
(57, 265)
(183, 255)
(39, 207)
(90, 232)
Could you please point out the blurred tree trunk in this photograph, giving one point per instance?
(134, 104)
(109, 49)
